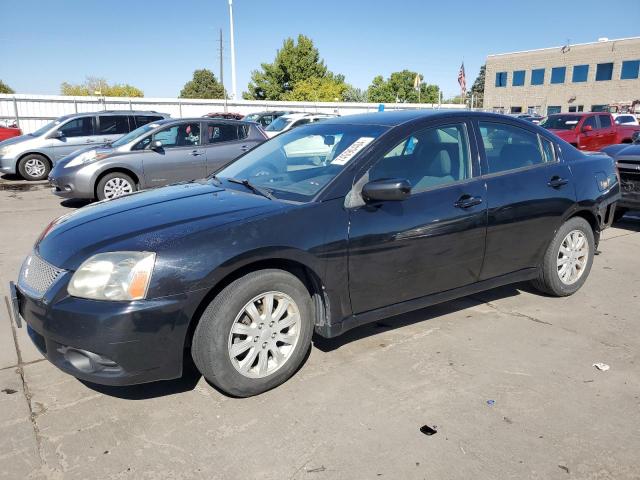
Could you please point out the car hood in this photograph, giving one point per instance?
(147, 221)
(16, 140)
(104, 151)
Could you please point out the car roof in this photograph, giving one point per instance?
(113, 112)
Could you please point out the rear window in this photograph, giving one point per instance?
(144, 119)
(221, 132)
(112, 125)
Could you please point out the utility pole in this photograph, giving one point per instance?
(233, 53)
(224, 90)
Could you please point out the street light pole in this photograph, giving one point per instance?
(233, 53)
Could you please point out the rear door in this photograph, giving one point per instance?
(607, 131)
(181, 156)
(225, 142)
(529, 190)
(111, 127)
(76, 133)
(430, 242)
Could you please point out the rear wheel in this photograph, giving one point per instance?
(115, 185)
(34, 167)
(255, 333)
(568, 259)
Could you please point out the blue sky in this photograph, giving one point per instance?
(156, 45)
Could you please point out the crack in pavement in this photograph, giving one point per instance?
(510, 312)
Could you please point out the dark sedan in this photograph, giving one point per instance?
(396, 211)
(154, 155)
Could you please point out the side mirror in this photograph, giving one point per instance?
(587, 128)
(386, 190)
(57, 134)
(156, 145)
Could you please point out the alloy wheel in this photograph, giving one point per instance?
(573, 256)
(35, 167)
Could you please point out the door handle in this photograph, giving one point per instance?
(196, 153)
(467, 201)
(244, 148)
(557, 182)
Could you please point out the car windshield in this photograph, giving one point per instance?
(279, 124)
(132, 135)
(297, 164)
(46, 128)
(560, 122)
(252, 117)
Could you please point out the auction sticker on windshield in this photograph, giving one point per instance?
(352, 150)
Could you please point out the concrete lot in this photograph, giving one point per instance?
(505, 378)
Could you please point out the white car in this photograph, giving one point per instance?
(625, 119)
(292, 120)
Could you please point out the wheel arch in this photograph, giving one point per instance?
(306, 274)
(593, 220)
(34, 152)
(109, 170)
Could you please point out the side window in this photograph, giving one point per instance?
(221, 132)
(243, 131)
(428, 158)
(112, 125)
(548, 150)
(181, 135)
(80, 127)
(590, 122)
(144, 119)
(301, 122)
(266, 120)
(605, 121)
(508, 147)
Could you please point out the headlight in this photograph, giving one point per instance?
(84, 157)
(113, 276)
(4, 151)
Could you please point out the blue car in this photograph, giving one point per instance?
(323, 228)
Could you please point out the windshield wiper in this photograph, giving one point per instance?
(254, 188)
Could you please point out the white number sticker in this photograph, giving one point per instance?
(352, 150)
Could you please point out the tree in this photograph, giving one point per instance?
(327, 89)
(4, 88)
(353, 94)
(203, 85)
(294, 63)
(477, 89)
(99, 86)
(399, 87)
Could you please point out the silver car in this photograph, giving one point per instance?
(154, 155)
(33, 155)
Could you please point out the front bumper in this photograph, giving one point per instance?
(8, 164)
(109, 343)
(67, 186)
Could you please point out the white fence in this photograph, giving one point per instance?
(33, 111)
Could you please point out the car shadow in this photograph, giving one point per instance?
(423, 315)
(631, 221)
(187, 382)
(75, 202)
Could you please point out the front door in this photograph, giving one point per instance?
(180, 157)
(430, 242)
(589, 137)
(77, 133)
(528, 192)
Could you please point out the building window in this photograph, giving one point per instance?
(551, 109)
(518, 78)
(604, 71)
(537, 76)
(516, 109)
(599, 108)
(534, 109)
(630, 70)
(501, 79)
(558, 74)
(576, 108)
(580, 73)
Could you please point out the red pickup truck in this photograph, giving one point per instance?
(589, 131)
(9, 132)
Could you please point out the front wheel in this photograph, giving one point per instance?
(568, 259)
(114, 185)
(34, 167)
(255, 333)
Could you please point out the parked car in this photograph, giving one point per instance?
(293, 120)
(9, 130)
(154, 155)
(625, 119)
(407, 209)
(33, 155)
(534, 118)
(627, 159)
(589, 131)
(225, 115)
(265, 118)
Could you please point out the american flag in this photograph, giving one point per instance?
(462, 80)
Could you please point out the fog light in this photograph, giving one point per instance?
(88, 362)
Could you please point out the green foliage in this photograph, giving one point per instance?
(477, 89)
(294, 63)
(327, 89)
(353, 94)
(203, 85)
(96, 84)
(4, 88)
(399, 87)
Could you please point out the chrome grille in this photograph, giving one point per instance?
(37, 276)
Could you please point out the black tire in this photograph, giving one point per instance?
(100, 193)
(210, 344)
(25, 167)
(548, 280)
(618, 214)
